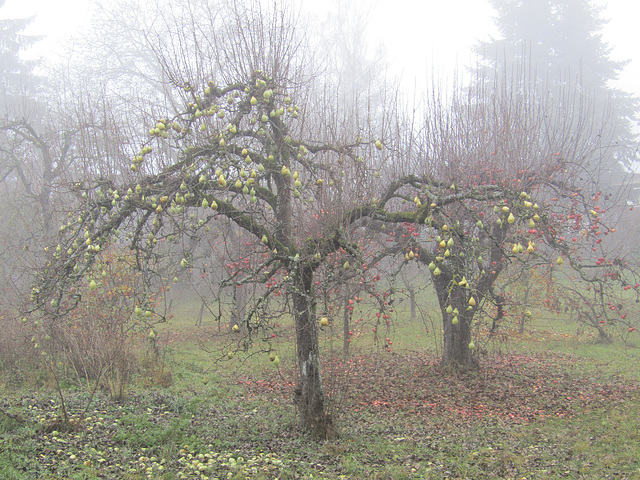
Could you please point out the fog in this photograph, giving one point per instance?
(419, 38)
(369, 172)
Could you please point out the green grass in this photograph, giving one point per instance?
(564, 407)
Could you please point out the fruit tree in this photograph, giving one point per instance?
(231, 154)
(504, 179)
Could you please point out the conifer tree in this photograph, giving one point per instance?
(551, 44)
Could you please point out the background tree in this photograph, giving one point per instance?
(17, 78)
(17, 106)
(555, 43)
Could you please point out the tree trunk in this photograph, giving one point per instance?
(456, 338)
(200, 315)
(309, 393)
(346, 314)
(604, 337)
(526, 280)
(412, 301)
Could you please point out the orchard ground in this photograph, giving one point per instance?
(551, 403)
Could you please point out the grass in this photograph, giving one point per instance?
(559, 408)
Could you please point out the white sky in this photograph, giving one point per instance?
(418, 35)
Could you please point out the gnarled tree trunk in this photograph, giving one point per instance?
(309, 392)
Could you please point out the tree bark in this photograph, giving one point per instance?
(309, 392)
(456, 338)
(239, 312)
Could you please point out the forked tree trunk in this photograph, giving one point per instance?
(309, 392)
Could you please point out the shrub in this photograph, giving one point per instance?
(98, 340)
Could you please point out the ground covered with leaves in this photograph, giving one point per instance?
(396, 416)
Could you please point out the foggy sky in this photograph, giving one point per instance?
(419, 36)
